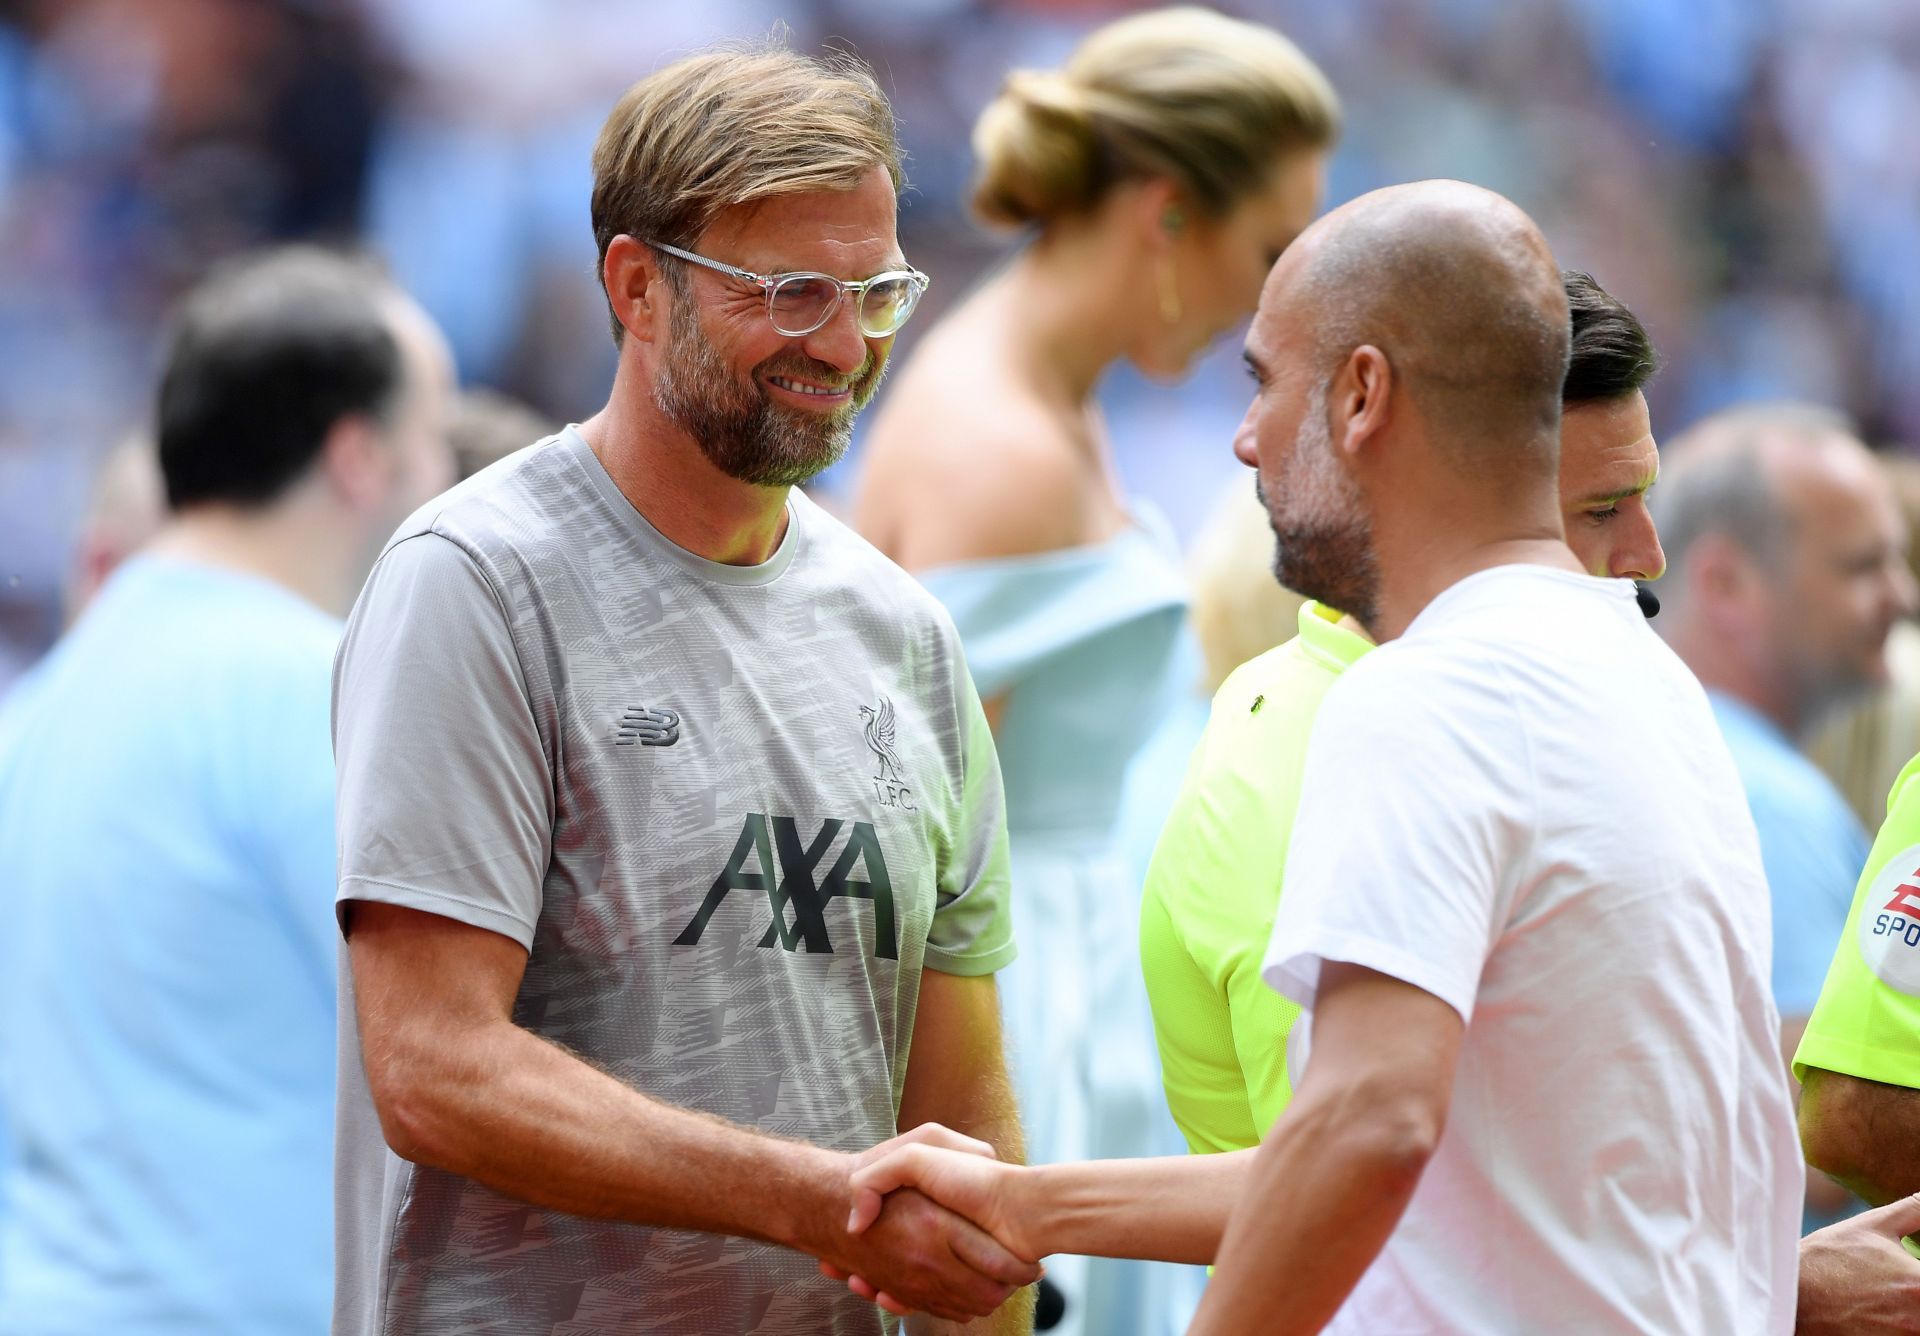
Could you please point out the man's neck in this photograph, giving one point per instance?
(667, 478)
(1736, 671)
(311, 556)
(1426, 564)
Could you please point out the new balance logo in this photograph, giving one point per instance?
(649, 728)
(769, 858)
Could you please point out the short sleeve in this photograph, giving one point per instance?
(1414, 807)
(1867, 1020)
(445, 800)
(972, 929)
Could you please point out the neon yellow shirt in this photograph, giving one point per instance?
(1207, 909)
(1867, 1021)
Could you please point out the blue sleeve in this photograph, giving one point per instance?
(292, 801)
(1813, 850)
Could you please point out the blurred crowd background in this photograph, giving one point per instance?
(1736, 170)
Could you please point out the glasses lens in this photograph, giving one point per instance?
(801, 304)
(885, 305)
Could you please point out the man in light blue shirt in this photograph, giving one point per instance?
(1787, 572)
(167, 1010)
(1811, 844)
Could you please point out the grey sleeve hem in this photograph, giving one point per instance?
(968, 966)
(433, 902)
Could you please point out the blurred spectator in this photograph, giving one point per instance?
(1865, 746)
(166, 828)
(1745, 167)
(1788, 571)
(126, 508)
(488, 426)
(140, 142)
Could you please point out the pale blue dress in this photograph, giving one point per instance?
(1090, 648)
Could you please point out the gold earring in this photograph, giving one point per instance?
(1169, 291)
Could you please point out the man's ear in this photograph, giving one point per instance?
(636, 288)
(358, 463)
(1360, 399)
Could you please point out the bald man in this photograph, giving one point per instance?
(1523, 907)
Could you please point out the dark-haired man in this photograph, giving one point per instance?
(166, 827)
(1608, 458)
(670, 826)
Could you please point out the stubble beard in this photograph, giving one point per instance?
(740, 430)
(1323, 541)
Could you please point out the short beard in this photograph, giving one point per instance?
(740, 430)
(1323, 541)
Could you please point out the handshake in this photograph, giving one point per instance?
(934, 1225)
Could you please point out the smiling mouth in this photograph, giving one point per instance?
(802, 387)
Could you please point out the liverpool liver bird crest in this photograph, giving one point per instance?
(879, 726)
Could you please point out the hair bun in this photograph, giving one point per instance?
(1184, 95)
(1037, 149)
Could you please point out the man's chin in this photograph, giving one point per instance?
(799, 469)
(833, 423)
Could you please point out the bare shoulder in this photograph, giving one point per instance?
(961, 465)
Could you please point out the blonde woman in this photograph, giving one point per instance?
(1158, 176)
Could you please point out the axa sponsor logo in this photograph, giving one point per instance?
(772, 859)
(1889, 931)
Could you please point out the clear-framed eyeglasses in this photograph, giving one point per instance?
(799, 303)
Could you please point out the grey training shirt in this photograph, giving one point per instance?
(730, 812)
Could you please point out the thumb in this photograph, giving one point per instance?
(866, 1209)
(1896, 1219)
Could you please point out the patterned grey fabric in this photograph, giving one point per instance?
(731, 812)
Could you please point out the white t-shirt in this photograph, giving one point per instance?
(1523, 807)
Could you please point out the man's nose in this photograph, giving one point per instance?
(1640, 557)
(839, 343)
(1243, 442)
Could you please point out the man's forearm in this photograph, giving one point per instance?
(1168, 1209)
(1324, 1193)
(524, 1116)
(1865, 1134)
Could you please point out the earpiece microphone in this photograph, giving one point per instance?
(1648, 600)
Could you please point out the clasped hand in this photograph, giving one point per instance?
(931, 1220)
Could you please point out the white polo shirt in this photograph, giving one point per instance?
(1523, 806)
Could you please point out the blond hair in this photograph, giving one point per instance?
(732, 126)
(1186, 94)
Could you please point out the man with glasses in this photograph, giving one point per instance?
(669, 820)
